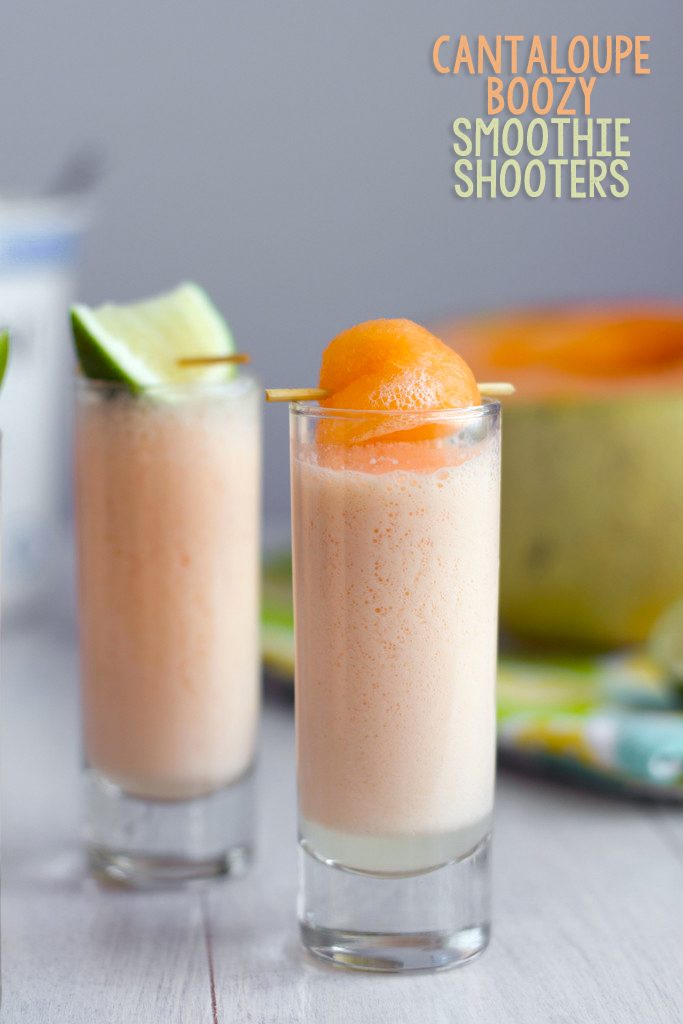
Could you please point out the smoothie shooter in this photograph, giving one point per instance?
(167, 498)
(395, 502)
(167, 505)
(396, 664)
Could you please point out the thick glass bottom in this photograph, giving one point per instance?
(133, 871)
(162, 844)
(421, 921)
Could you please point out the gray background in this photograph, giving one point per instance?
(295, 158)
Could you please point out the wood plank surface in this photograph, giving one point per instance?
(588, 920)
(71, 951)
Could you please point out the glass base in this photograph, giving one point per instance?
(162, 844)
(425, 921)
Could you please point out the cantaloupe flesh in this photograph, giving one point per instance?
(391, 365)
(575, 351)
(592, 489)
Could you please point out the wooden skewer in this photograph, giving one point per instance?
(295, 394)
(496, 388)
(493, 389)
(235, 357)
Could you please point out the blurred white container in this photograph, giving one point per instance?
(39, 242)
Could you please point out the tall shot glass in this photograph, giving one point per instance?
(168, 532)
(395, 554)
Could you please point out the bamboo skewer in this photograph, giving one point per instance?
(296, 394)
(494, 389)
(234, 357)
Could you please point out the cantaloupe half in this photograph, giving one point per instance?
(592, 524)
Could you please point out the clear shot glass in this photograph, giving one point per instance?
(168, 532)
(395, 553)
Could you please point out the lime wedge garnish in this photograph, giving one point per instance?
(666, 641)
(4, 353)
(141, 344)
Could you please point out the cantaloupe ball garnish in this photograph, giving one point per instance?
(391, 365)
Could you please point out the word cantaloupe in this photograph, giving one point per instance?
(592, 524)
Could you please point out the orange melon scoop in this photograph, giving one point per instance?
(385, 365)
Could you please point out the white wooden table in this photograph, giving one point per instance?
(588, 901)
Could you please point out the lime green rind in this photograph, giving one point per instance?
(94, 360)
(606, 591)
(4, 353)
(138, 344)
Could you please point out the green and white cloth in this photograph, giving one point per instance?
(616, 720)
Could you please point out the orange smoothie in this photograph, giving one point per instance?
(396, 583)
(168, 531)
